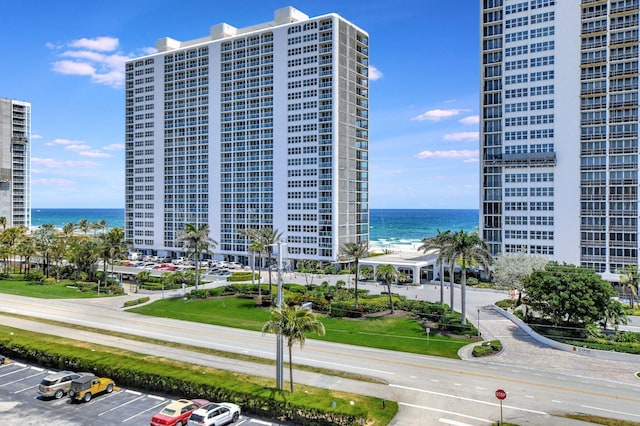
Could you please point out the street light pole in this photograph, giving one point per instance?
(478, 322)
(280, 340)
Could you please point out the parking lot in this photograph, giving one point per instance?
(20, 403)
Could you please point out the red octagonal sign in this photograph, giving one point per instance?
(501, 394)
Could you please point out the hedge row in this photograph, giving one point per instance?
(134, 302)
(153, 375)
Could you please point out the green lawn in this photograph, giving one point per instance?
(397, 334)
(53, 291)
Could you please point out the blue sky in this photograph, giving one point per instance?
(67, 58)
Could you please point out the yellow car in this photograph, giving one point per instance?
(85, 387)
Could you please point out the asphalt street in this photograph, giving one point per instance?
(430, 390)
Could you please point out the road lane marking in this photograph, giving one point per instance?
(121, 405)
(418, 365)
(612, 411)
(462, 398)
(13, 372)
(19, 380)
(451, 413)
(453, 422)
(26, 389)
(164, 401)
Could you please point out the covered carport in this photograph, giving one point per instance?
(418, 266)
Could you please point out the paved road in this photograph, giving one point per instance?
(539, 380)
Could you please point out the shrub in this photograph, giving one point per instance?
(134, 302)
(506, 303)
(487, 348)
(35, 276)
(49, 281)
(156, 376)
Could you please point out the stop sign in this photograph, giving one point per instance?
(501, 394)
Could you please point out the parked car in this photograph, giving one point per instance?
(57, 385)
(86, 386)
(177, 412)
(215, 414)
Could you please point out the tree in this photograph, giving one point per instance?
(440, 242)
(84, 226)
(196, 240)
(266, 238)
(309, 269)
(629, 278)
(510, 269)
(354, 252)
(44, 237)
(3, 222)
(142, 277)
(387, 274)
(569, 294)
(467, 248)
(293, 323)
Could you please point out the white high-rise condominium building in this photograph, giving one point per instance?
(15, 162)
(248, 128)
(559, 130)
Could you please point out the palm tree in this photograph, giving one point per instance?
(293, 323)
(84, 226)
(266, 238)
(440, 242)
(355, 252)
(44, 237)
(3, 222)
(196, 240)
(629, 278)
(256, 247)
(142, 277)
(467, 248)
(387, 274)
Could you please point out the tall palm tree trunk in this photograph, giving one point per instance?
(442, 282)
(463, 295)
(290, 344)
(452, 280)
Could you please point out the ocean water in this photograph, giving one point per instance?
(405, 228)
(60, 217)
(390, 228)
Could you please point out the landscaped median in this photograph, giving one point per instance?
(307, 406)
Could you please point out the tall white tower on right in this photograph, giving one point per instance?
(559, 130)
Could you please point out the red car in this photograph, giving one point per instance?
(177, 412)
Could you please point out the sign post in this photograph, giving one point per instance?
(501, 395)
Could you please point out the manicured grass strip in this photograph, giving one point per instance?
(131, 364)
(597, 420)
(199, 349)
(396, 334)
(41, 291)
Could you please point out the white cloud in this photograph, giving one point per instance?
(52, 181)
(73, 68)
(456, 154)
(114, 147)
(462, 136)
(374, 73)
(63, 142)
(94, 154)
(471, 120)
(77, 147)
(58, 164)
(88, 58)
(103, 44)
(438, 114)
(35, 136)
